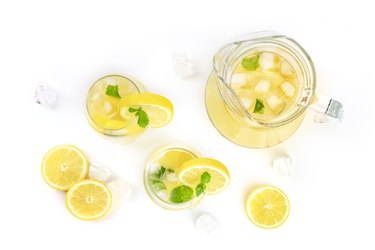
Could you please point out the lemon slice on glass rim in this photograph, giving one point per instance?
(191, 171)
(158, 108)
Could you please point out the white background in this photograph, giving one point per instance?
(69, 44)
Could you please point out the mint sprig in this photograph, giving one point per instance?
(142, 116)
(112, 90)
(250, 63)
(259, 106)
(201, 187)
(157, 178)
(181, 194)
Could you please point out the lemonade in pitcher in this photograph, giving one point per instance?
(266, 84)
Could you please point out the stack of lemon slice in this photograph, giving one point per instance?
(65, 168)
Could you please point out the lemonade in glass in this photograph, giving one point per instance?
(103, 105)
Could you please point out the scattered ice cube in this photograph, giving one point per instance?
(267, 61)
(206, 223)
(286, 69)
(120, 187)
(276, 104)
(100, 173)
(320, 118)
(262, 86)
(238, 80)
(183, 67)
(288, 89)
(172, 177)
(246, 102)
(162, 194)
(282, 166)
(45, 95)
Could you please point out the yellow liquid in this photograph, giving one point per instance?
(103, 111)
(170, 159)
(239, 130)
(274, 84)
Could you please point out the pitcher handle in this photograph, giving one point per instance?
(326, 107)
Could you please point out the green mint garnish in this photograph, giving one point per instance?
(142, 116)
(251, 63)
(201, 187)
(181, 194)
(157, 185)
(112, 91)
(160, 174)
(259, 107)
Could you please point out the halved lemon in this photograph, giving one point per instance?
(191, 171)
(267, 207)
(88, 199)
(63, 166)
(158, 108)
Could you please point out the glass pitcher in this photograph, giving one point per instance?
(242, 126)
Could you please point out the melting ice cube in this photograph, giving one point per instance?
(282, 166)
(100, 173)
(162, 194)
(183, 67)
(262, 86)
(238, 80)
(276, 104)
(288, 89)
(45, 95)
(206, 223)
(120, 187)
(247, 102)
(172, 177)
(286, 69)
(267, 61)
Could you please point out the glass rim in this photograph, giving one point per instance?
(157, 200)
(132, 80)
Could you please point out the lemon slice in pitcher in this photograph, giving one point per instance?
(88, 199)
(63, 166)
(159, 109)
(191, 172)
(267, 207)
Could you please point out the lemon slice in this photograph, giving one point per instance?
(158, 108)
(191, 171)
(88, 199)
(63, 166)
(267, 207)
(174, 158)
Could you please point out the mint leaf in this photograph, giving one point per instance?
(205, 178)
(251, 63)
(157, 185)
(181, 194)
(160, 174)
(142, 116)
(200, 189)
(170, 170)
(259, 107)
(112, 90)
(133, 110)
